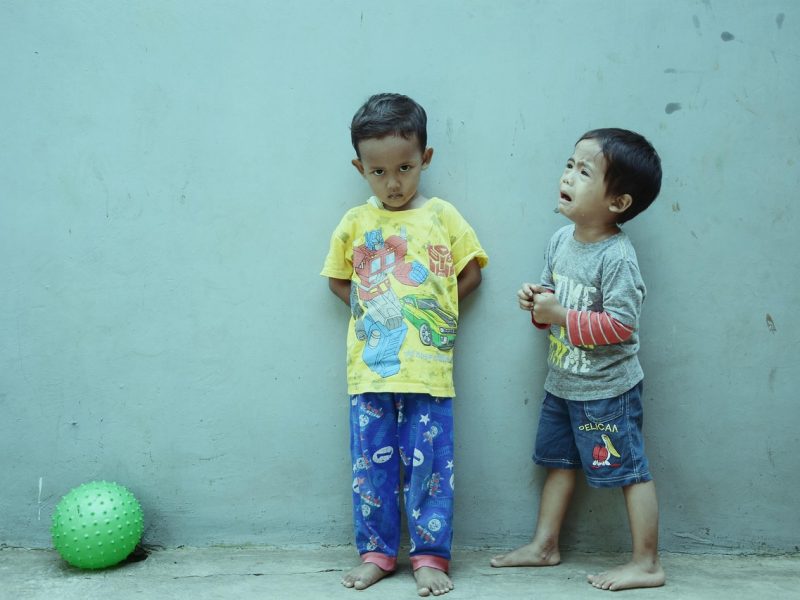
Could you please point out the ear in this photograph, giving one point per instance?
(620, 204)
(358, 165)
(426, 158)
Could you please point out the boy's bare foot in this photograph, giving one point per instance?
(363, 576)
(530, 555)
(628, 576)
(432, 581)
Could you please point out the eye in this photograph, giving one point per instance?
(585, 173)
(570, 164)
(405, 168)
(377, 172)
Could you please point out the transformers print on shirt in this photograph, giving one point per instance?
(380, 316)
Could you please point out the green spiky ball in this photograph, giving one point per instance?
(97, 525)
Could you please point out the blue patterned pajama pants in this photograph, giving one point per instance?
(412, 432)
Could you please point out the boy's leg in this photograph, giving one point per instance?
(376, 475)
(609, 436)
(555, 450)
(543, 551)
(644, 568)
(426, 445)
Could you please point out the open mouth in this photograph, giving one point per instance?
(565, 197)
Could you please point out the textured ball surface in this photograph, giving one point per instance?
(97, 525)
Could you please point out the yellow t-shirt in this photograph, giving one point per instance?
(402, 266)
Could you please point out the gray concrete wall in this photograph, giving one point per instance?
(170, 173)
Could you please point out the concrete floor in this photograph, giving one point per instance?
(313, 572)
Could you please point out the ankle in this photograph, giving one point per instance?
(649, 562)
(546, 544)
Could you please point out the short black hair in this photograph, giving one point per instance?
(389, 114)
(632, 167)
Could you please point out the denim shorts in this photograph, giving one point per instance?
(603, 437)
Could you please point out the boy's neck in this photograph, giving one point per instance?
(417, 201)
(589, 234)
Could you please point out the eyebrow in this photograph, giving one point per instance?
(585, 163)
(382, 165)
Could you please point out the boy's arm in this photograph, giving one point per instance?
(584, 327)
(614, 322)
(341, 288)
(592, 328)
(469, 279)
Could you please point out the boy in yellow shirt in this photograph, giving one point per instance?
(401, 262)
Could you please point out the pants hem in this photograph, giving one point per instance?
(428, 560)
(382, 561)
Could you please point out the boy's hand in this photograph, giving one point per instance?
(526, 294)
(546, 309)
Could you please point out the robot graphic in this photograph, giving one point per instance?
(432, 483)
(432, 433)
(380, 321)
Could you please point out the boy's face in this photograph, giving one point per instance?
(392, 166)
(583, 198)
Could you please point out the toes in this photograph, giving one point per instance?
(597, 581)
(432, 590)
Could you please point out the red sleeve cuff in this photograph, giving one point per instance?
(537, 324)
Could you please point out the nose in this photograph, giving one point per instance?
(393, 184)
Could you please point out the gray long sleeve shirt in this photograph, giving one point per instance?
(603, 277)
